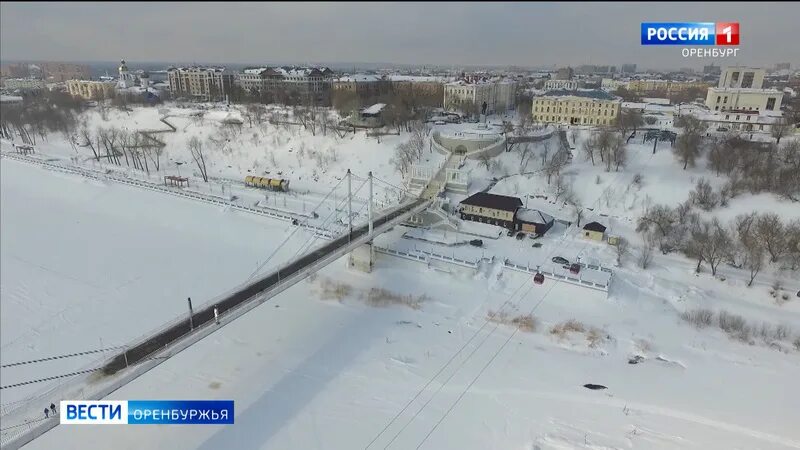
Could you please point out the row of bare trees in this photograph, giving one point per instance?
(138, 150)
(39, 115)
(608, 146)
(408, 152)
(749, 242)
(756, 168)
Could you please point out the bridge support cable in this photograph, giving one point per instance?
(52, 358)
(324, 224)
(305, 222)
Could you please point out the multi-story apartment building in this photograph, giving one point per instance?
(91, 90)
(663, 87)
(628, 68)
(25, 84)
(498, 94)
(576, 108)
(204, 83)
(740, 89)
(569, 85)
(365, 87)
(305, 84)
(610, 84)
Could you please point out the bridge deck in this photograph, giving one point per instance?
(247, 293)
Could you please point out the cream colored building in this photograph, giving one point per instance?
(497, 94)
(741, 77)
(610, 84)
(91, 90)
(740, 89)
(205, 83)
(665, 86)
(576, 108)
(739, 99)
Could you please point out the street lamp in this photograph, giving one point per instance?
(178, 165)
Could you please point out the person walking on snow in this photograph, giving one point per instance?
(53, 408)
(46, 413)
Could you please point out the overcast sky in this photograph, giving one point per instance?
(525, 34)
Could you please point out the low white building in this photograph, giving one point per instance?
(745, 121)
(25, 84)
(743, 99)
(610, 84)
(569, 85)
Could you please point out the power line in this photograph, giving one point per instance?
(483, 369)
(496, 326)
(516, 329)
(261, 266)
(70, 355)
(487, 320)
(55, 377)
(446, 364)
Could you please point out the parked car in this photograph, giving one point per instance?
(538, 278)
(439, 122)
(520, 236)
(476, 243)
(560, 260)
(575, 268)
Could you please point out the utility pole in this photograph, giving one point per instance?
(349, 203)
(191, 314)
(369, 206)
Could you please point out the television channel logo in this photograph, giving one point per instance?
(146, 412)
(690, 33)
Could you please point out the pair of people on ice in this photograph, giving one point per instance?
(52, 410)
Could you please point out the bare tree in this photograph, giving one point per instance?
(404, 156)
(688, 146)
(485, 160)
(87, 140)
(578, 211)
(646, 250)
(196, 149)
(771, 233)
(524, 150)
(709, 242)
(622, 249)
(619, 153)
(780, 129)
(589, 147)
(704, 196)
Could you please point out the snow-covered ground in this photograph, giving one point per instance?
(87, 265)
(84, 260)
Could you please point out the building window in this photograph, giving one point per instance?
(771, 103)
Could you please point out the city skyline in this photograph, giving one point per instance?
(523, 35)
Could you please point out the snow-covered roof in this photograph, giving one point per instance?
(420, 79)
(358, 78)
(374, 109)
(255, 71)
(10, 99)
(533, 216)
(595, 94)
(746, 90)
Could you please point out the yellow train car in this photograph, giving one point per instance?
(273, 184)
